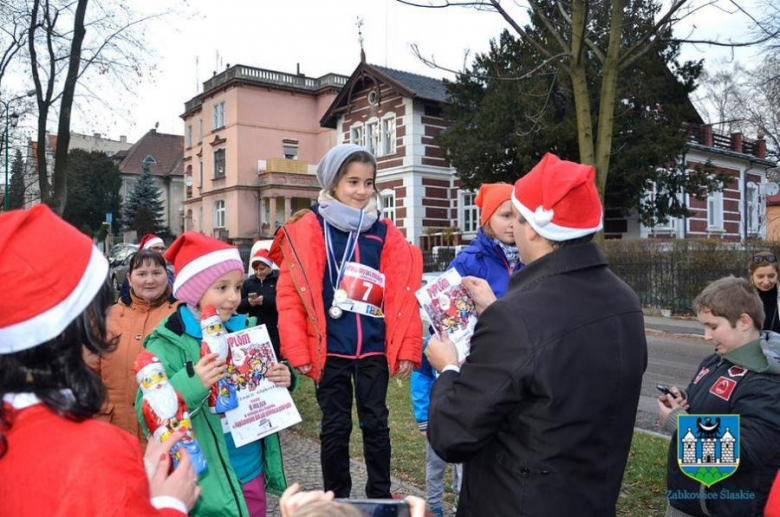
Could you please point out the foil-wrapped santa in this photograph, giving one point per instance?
(223, 394)
(164, 409)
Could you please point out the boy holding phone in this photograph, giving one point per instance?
(739, 378)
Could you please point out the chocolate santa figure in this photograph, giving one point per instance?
(223, 394)
(164, 409)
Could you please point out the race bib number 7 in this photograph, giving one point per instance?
(364, 288)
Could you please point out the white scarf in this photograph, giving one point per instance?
(346, 218)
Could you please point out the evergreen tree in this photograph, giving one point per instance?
(94, 182)
(16, 183)
(514, 105)
(143, 210)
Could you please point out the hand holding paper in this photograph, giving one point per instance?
(441, 352)
(480, 292)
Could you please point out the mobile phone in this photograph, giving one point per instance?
(663, 388)
(379, 507)
(252, 295)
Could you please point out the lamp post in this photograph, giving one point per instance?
(13, 119)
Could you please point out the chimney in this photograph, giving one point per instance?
(736, 142)
(760, 147)
(123, 139)
(706, 135)
(298, 68)
(96, 135)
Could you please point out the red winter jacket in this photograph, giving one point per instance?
(299, 250)
(55, 466)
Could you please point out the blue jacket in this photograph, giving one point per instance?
(420, 388)
(353, 335)
(483, 258)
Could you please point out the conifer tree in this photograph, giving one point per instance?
(143, 209)
(16, 183)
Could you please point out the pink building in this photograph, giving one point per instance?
(252, 142)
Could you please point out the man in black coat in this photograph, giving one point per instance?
(542, 412)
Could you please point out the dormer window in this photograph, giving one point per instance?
(149, 160)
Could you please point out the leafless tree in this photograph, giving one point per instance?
(572, 31)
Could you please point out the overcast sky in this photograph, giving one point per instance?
(320, 35)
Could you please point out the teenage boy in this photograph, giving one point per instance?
(737, 379)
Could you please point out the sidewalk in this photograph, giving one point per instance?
(302, 466)
(674, 326)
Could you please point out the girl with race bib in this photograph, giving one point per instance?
(348, 316)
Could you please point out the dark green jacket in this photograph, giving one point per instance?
(221, 490)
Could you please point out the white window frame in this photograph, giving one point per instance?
(224, 164)
(670, 224)
(373, 140)
(220, 212)
(468, 212)
(189, 136)
(291, 147)
(388, 203)
(388, 140)
(715, 211)
(218, 116)
(753, 207)
(357, 134)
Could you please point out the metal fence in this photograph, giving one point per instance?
(437, 260)
(670, 284)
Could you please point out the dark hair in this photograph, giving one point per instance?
(146, 258)
(356, 157)
(760, 260)
(730, 298)
(58, 364)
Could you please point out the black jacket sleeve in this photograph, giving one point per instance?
(269, 297)
(468, 409)
(759, 420)
(243, 307)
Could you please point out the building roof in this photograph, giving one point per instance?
(423, 87)
(410, 85)
(166, 150)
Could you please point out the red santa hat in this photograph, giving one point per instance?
(199, 261)
(261, 256)
(559, 199)
(43, 294)
(149, 240)
(145, 364)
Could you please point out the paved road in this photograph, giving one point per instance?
(672, 360)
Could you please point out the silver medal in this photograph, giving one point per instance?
(335, 312)
(340, 296)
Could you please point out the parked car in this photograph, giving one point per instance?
(119, 262)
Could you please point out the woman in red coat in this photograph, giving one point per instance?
(348, 316)
(54, 457)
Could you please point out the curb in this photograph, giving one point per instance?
(652, 433)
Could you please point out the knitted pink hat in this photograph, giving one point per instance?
(199, 261)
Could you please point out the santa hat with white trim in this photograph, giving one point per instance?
(199, 261)
(559, 199)
(43, 294)
(261, 255)
(150, 240)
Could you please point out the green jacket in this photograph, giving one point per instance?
(221, 490)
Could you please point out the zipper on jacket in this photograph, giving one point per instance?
(224, 467)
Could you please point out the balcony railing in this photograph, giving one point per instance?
(272, 77)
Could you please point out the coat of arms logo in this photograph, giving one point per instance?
(708, 446)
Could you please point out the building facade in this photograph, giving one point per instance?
(252, 142)
(164, 155)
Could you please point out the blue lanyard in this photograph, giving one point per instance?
(349, 251)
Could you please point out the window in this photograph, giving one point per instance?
(200, 130)
(219, 163)
(715, 211)
(753, 207)
(200, 173)
(218, 119)
(654, 200)
(372, 137)
(189, 136)
(290, 150)
(149, 160)
(388, 135)
(356, 135)
(469, 217)
(388, 203)
(219, 214)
